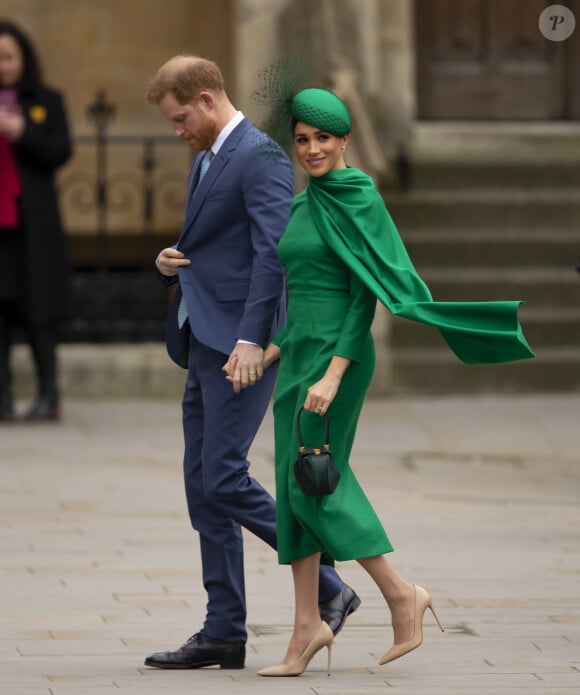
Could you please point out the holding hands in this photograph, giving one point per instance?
(247, 363)
(244, 366)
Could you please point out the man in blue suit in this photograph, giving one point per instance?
(229, 303)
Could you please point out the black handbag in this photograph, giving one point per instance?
(315, 470)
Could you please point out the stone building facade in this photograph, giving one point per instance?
(394, 60)
(88, 46)
(444, 83)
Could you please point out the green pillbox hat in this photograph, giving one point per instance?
(322, 109)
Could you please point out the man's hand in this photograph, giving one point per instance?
(169, 260)
(244, 366)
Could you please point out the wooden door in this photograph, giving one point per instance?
(487, 59)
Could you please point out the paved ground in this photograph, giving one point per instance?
(480, 496)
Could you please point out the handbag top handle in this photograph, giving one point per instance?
(326, 430)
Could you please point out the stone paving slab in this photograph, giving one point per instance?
(480, 496)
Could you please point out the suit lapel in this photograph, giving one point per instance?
(196, 197)
(191, 185)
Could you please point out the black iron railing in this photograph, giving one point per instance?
(122, 198)
(122, 195)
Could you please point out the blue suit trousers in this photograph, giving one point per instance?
(219, 427)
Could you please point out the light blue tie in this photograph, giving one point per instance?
(205, 162)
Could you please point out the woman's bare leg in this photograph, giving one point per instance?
(399, 595)
(306, 614)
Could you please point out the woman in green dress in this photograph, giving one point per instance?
(341, 252)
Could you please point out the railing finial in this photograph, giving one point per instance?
(101, 112)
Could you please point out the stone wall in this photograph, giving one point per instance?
(363, 48)
(117, 45)
(374, 39)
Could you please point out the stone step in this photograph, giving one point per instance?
(473, 247)
(145, 371)
(493, 213)
(542, 328)
(541, 288)
(497, 209)
(431, 371)
(120, 370)
(488, 155)
(496, 142)
(493, 234)
(471, 173)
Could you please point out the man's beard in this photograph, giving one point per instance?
(204, 137)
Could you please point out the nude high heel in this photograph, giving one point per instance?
(323, 638)
(422, 602)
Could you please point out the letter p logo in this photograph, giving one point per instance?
(557, 23)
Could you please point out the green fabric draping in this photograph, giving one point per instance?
(354, 222)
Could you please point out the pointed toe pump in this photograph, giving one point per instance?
(422, 602)
(323, 638)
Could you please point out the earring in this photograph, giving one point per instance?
(343, 148)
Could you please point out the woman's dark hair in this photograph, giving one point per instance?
(31, 75)
(294, 122)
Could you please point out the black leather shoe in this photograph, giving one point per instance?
(6, 409)
(200, 651)
(6, 414)
(44, 409)
(336, 611)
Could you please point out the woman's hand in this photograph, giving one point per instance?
(271, 354)
(12, 124)
(321, 394)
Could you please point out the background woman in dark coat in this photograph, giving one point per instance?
(34, 266)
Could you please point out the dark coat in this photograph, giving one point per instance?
(44, 146)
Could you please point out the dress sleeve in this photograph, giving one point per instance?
(278, 339)
(267, 186)
(357, 321)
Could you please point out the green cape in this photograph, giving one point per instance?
(352, 219)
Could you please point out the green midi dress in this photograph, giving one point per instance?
(330, 312)
(342, 252)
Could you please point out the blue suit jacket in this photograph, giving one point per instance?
(234, 286)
